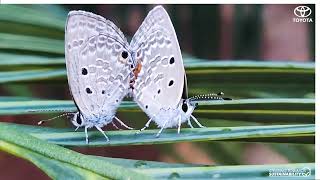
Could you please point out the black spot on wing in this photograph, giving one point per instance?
(171, 60)
(88, 90)
(84, 71)
(170, 83)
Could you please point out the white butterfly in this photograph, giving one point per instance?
(99, 69)
(160, 87)
(160, 84)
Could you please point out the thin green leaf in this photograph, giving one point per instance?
(252, 79)
(16, 98)
(53, 168)
(253, 110)
(307, 170)
(141, 164)
(289, 110)
(52, 9)
(273, 133)
(31, 43)
(33, 149)
(10, 59)
(25, 75)
(44, 106)
(26, 15)
(206, 64)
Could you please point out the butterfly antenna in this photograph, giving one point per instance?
(61, 115)
(48, 110)
(211, 96)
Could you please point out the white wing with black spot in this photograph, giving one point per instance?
(98, 63)
(159, 84)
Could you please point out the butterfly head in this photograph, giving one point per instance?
(186, 107)
(77, 119)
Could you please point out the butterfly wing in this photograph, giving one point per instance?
(160, 80)
(98, 63)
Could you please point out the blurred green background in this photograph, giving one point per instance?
(206, 33)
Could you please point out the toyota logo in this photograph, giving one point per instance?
(302, 11)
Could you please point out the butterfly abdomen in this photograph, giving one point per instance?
(168, 118)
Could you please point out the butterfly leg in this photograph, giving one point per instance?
(102, 133)
(179, 124)
(195, 120)
(114, 125)
(145, 126)
(122, 124)
(86, 132)
(189, 123)
(165, 123)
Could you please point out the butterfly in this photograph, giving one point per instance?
(160, 83)
(99, 68)
(102, 68)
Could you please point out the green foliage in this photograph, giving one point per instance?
(224, 172)
(56, 160)
(255, 110)
(274, 103)
(243, 79)
(273, 133)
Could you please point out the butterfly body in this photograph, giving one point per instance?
(99, 68)
(160, 74)
(160, 84)
(173, 117)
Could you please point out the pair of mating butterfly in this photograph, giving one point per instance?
(103, 68)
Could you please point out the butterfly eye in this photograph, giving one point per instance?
(184, 107)
(79, 120)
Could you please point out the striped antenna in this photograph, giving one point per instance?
(51, 110)
(61, 115)
(211, 96)
(48, 110)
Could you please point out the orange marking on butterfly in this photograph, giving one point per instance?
(136, 72)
